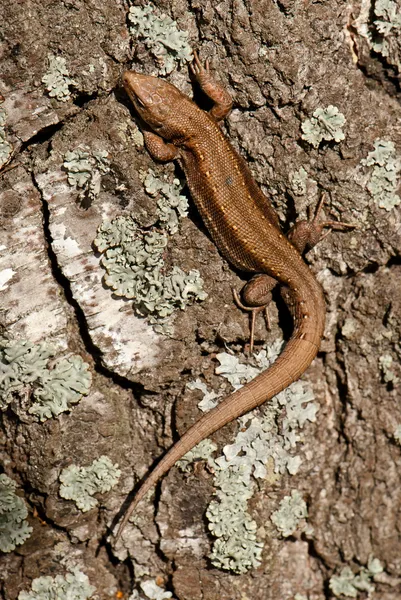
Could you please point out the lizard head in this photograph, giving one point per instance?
(157, 102)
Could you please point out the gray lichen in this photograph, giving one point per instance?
(161, 35)
(135, 269)
(203, 451)
(81, 483)
(349, 584)
(14, 529)
(383, 182)
(85, 169)
(74, 586)
(265, 437)
(382, 29)
(291, 512)
(172, 205)
(25, 366)
(5, 147)
(57, 79)
(151, 591)
(325, 124)
(397, 434)
(386, 366)
(298, 181)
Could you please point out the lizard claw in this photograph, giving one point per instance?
(197, 69)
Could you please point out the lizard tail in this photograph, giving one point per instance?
(299, 352)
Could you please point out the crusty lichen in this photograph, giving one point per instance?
(172, 205)
(383, 181)
(379, 22)
(81, 483)
(152, 591)
(264, 436)
(291, 512)
(74, 586)
(386, 366)
(25, 366)
(298, 181)
(325, 124)
(349, 584)
(14, 528)
(85, 169)
(5, 147)
(135, 269)
(57, 79)
(161, 35)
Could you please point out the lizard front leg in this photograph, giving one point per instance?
(158, 148)
(222, 101)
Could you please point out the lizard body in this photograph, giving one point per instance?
(245, 228)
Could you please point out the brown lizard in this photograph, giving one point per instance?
(245, 228)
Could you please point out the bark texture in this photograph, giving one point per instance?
(280, 61)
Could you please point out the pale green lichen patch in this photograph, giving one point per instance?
(325, 124)
(81, 483)
(85, 169)
(74, 586)
(397, 434)
(151, 591)
(209, 399)
(203, 451)
(5, 147)
(57, 79)
(384, 36)
(171, 204)
(291, 512)
(383, 182)
(266, 437)
(25, 366)
(14, 528)
(298, 181)
(161, 35)
(349, 584)
(386, 366)
(135, 269)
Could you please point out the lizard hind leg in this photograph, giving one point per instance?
(255, 298)
(308, 232)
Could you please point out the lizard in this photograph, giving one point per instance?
(245, 228)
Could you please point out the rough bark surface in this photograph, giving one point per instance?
(280, 61)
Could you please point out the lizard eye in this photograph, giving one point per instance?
(139, 102)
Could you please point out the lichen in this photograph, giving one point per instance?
(386, 367)
(291, 512)
(135, 269)
(203, 451)
(5, 147)
(349, 584)
(265, 436)
(325, 124)
(81, 483)
(154, 591)
(85, 169)
(397, 434)
(25, 366)
(209, 399)
(383, 30)
(161, 35)
(298, 181)
(57, 79)
(383, 181)
(14, 528)
(172, 205)
(74, 586)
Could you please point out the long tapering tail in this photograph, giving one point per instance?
(289, 366)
